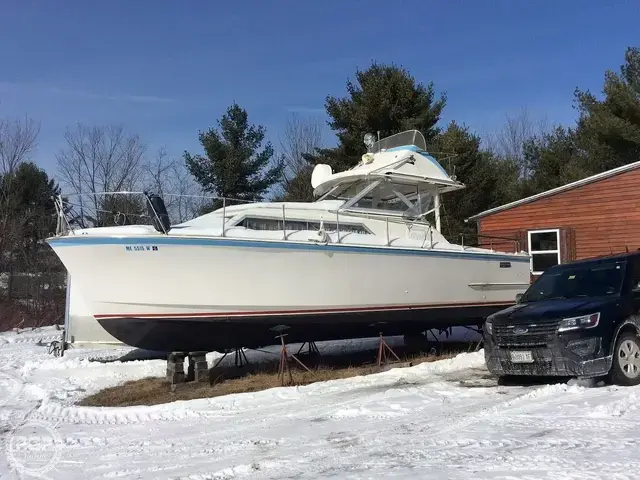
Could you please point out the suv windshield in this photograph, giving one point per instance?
(578, 281)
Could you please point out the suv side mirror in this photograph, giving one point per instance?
(519, 297)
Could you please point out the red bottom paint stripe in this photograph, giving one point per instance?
(255, 313)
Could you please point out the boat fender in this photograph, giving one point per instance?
(158, 213)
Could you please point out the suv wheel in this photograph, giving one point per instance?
(625, 369)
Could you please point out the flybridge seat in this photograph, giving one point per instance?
(157, 210)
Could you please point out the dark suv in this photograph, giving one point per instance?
(577, 319)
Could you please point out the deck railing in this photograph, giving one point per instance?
(135, 208)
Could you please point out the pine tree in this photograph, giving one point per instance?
(26, 198)
(606, 136)
(233, 165)
(488, 180)
(609, 129)
(555, 159)
(27, 214)
(384, 98)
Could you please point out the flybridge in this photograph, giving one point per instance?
(396, 177)
(392, 158)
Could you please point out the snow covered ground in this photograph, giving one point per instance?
(444, 420)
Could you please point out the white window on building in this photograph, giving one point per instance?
(544, 248)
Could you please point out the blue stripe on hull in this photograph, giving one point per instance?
(82, 240)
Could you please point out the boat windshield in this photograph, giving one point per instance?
(407, 200)
(572, 281)
(410, 137)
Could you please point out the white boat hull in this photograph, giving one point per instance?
(147, 290)
(81, 327)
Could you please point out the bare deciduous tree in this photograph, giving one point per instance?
(17, 141)
(300, 136)
(169, 178)
(509, 142)
(100, 159)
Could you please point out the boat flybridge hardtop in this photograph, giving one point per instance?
(362, 259)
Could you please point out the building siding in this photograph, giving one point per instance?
(596, 219)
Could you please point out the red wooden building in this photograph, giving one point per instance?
(595, 216)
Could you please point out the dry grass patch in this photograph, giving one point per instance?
(154, 391)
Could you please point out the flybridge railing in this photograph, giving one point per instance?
(77, 211)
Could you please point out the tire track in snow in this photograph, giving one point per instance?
(197, 448)
(498, 460)
(468, 449)
(511, 454)
(144, 414)
(389, 456)
(115, 415)
(542, 395)
(563, 444)
(226, 450)
(534, 442)
(128, 452)
(559, 424)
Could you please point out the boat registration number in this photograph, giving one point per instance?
(141, 248)
(521, 357)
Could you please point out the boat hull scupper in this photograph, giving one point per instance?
(171, 293)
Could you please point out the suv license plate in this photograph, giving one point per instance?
(521, 357)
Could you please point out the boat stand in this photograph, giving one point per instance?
(382, 351)
(313, 348)
(240, 358)
(480, 343)
(449, 331)
(284, 361)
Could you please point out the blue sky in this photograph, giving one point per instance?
(167, 69)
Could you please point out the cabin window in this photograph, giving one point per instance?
(544, 248)
(256, 223)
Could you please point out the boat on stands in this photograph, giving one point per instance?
(366, 257)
